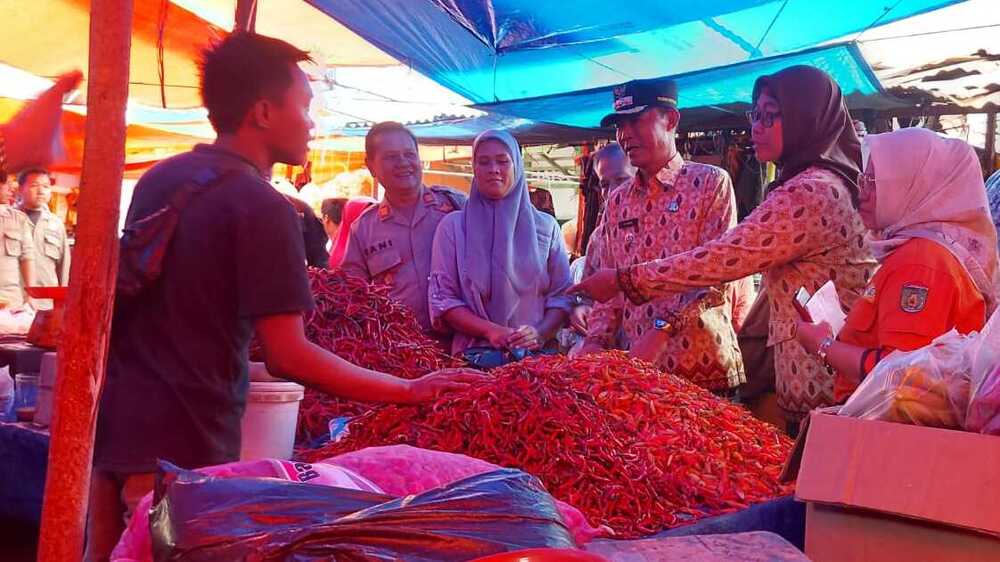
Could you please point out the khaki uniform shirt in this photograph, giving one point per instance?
(685, 205)
(388, 247)
(18, 246)
(51, 251)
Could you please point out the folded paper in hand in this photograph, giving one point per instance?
(824, 306)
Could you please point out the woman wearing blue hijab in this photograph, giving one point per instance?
(499, 270)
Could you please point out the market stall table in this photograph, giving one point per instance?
(19, 355)
(24, 452)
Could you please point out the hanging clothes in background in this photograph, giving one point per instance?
(590, 191)
(706, 148)
(731, 150)
(748, 184)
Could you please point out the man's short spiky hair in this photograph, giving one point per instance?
(25, 175)
(242, 69)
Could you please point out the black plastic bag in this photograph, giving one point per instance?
(200, 518)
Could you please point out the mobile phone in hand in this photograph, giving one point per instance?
(799, 302)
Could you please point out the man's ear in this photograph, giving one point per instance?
(673, 119)
(262, 114)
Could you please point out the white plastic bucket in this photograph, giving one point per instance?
(270, 419)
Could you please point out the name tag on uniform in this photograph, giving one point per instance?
(378, 247)
(630, 223)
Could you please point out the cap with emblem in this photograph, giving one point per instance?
(635, 96)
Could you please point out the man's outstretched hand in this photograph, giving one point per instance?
(434, 385)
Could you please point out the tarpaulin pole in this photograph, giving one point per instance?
(84, 343)
(246, 16)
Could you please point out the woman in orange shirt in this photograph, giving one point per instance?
(922, 196)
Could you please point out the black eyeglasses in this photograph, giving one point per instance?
(765, 118)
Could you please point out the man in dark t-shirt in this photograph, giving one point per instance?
(177, 378)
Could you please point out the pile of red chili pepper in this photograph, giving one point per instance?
(360, 323)
(632, 447)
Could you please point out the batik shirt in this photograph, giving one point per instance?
(805, 233)
(684, 206)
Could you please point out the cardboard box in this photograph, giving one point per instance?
(881, 491)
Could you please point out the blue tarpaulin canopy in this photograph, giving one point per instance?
(716, 95)
(502, 50)
(710, 98)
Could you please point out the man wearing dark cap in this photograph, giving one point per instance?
(670, 207)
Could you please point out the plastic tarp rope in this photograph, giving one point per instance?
(501, 50)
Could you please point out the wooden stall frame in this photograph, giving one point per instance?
(83, 351)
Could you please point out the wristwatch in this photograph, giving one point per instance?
(823, 349)
(663, 326)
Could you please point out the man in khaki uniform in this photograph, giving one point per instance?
(391, 242)
(17, 254)
(48, 231)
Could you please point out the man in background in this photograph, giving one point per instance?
(52, 253)
(17, 254)
(313, 234)
(333, 215)
(10, 187)
(613, 170)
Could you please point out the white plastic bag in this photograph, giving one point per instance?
(983, 415)
(17, 322)
(928, 386)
